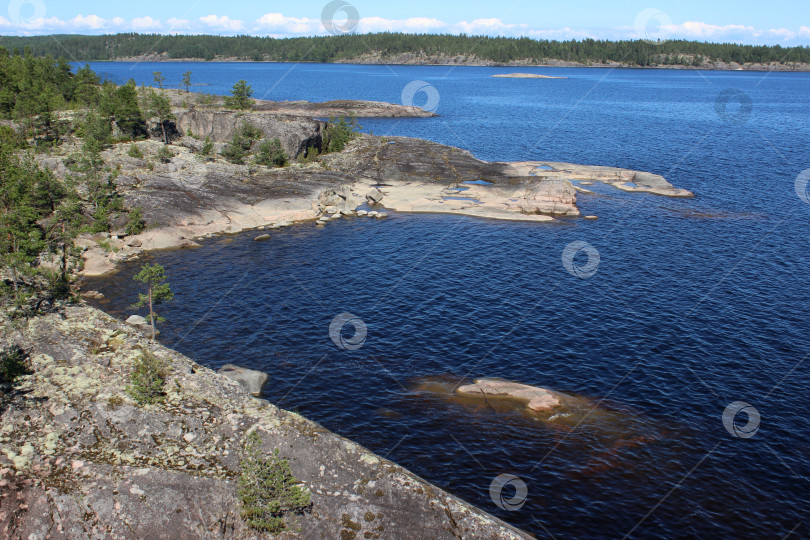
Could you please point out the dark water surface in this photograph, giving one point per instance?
(696, 303)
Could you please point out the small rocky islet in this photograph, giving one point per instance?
(171, 469)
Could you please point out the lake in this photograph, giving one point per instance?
(696, 304)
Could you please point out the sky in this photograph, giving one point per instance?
(784, 22)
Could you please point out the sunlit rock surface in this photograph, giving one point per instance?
(80, 459)
(534, 398)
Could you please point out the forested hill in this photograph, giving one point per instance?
(407, 48)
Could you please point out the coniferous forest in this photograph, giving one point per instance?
(388, 45)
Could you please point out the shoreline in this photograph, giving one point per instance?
(555, 64)
(528, 191)
(79, 432)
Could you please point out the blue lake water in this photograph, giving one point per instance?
(696, 303)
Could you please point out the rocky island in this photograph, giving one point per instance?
(81, 456)
(525, 76)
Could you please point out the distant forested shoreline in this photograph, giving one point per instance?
(398, 48)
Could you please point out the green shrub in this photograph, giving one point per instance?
(339, 132)
(207, 147)
(136, 223)
(56, 284)
(271, 154)
(14, 362)
(147, 379)
(11, 137)
(267, 489)
(311, 155)
(164, 154)
(241, 142)
(135, 152)
(240, 97)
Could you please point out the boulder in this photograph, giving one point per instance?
(537, 399)
(374, 195)
(136, 320)
(141, 324)
(262, 237)
(252, 380)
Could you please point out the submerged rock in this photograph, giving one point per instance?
(251, 379)
(536, 399)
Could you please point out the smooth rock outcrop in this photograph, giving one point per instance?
(343, 107)
(80, 459)
(537, 399)
(190, 198)
(296, 134)
(251, 379)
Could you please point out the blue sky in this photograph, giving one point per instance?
(785, 22)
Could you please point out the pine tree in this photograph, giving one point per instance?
(157, 292)
(240, 96)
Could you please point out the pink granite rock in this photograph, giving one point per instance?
(537, 399)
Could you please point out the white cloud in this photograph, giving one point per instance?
(414, 25)
(146, 23)
(491, 27)
(733, 33)
(222, 22)
(279, 25)
(91, 22)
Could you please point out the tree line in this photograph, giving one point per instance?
(43, 104)
(387, 45)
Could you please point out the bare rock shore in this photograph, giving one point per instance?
(80, 459)
(189, 198)
(309, 109)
